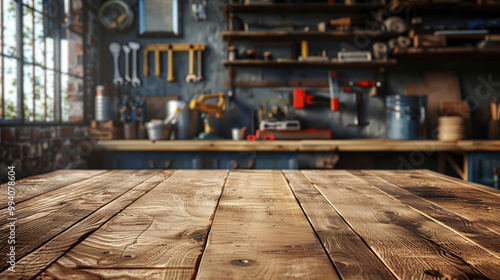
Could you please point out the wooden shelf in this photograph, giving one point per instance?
(456, 53)
(460, 6)
(300, 8)
(350, 145)
(302, 35)
(312, 83)
(308, 64)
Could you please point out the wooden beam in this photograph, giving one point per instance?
(454, 165)
(260, 232)
(410, 244)
(352, 258)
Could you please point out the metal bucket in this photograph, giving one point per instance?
(406, 116)
(187, 126)
(158, 131)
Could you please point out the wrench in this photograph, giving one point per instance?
(134, 46)
(199, 69)
(126, 51)
(114, 48)
(191, 77)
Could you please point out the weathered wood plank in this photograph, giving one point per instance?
(38, 260)
(260, 232)
(471, 203)
(36, 185)
(476, 233)
(47, 215)
(351, 256)
(166, 228)
(411, 245)
(460, 181)
(58, 272)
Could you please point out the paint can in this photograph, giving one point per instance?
(103, 104)
(406, 117)
(187, 123)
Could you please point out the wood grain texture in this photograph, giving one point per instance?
(58, 272)
(461, 182)
(477, 234)
(350, 255)
(260, 232)
(166, 228)
(47, 215)
(35, 185)
(410, 244)
(476, 205)
(38, 260)
(351, 145)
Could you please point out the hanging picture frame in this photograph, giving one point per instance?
(159, 18)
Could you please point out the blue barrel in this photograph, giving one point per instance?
(406, 116)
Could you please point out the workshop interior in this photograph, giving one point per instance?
(251, 84)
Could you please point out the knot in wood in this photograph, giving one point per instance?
(243, 262)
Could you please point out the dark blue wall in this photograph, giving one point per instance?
(247, 99)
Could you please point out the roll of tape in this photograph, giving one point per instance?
(395, 24)
(380, 50)
(404, 42)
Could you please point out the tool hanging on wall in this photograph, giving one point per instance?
(134, 46)
(115, 48)
(116, 15)
(357, 114)
(198, 10)
(333, 83)
(126, 52)
(199, 68)
(170, 49)
(191, 77)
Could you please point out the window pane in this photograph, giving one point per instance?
(39, 40)
(72, 96)
(64, 97)
(10, 88)
(9, 28)
(33, 82)
(49, 90)
(28, 92)
(49, 55)
(72, 54)
(28, 34)
(38, 5)
(39, 93)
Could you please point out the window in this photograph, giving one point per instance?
(41, 61)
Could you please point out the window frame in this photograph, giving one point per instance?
(58, 72)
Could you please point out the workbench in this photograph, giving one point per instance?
(284, 154)
(252, 224)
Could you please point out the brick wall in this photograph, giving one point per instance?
(34, 150)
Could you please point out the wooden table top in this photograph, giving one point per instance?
(349, 145)
(251, 224)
